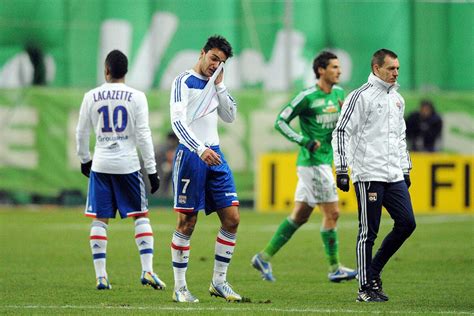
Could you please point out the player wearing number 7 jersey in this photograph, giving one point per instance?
(119, 116)
(202, 180)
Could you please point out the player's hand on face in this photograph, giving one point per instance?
(220, 77)
(211, 158)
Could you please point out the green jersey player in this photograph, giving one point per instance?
(318, 109)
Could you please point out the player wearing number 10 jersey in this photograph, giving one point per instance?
(119, 116)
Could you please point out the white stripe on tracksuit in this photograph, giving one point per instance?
(361, 243)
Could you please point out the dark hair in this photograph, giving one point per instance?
(37, 58)
(220, 43)
(379, 57)
(427, 103)
(117, 63)
(322, 61)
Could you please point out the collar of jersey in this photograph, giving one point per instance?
(195, 74)
(113, 83)
(376, 81)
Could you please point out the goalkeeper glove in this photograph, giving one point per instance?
(86, 168)
(342, 181)
(154, 182)
(406, 177)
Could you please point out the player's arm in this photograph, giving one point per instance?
(346, 126)
(145, 142)
(402, 143)
(178, 106)
(143, 133)
(287, 114)
(83, 130)
(227, 108)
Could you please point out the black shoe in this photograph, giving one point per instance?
(368, 296)
(376, 286)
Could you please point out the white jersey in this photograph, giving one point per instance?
(119, 116)
(195, 104)
(370, 134)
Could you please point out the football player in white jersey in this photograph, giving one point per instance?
(119, 116)
(202, 180)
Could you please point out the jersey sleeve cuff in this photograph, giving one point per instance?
(305, 141)
(150, 170)
(220, 87)
(85, 159)
(201, 150)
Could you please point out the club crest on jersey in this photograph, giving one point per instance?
(399, 106)
(182, 199)
(372, 196)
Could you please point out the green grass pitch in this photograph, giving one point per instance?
(46, 267)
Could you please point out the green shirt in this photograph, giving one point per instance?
(318, 113)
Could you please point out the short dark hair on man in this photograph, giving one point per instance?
(220, 43)
(379, 56)
(117, 63)
(322, 60)
(427, 103)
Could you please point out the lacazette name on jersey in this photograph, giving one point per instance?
(113, 95)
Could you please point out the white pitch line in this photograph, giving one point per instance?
(197, 309)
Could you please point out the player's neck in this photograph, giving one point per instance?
(113, 80)
(197, 69)
(324, 86)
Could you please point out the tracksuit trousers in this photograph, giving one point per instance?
(371, 196)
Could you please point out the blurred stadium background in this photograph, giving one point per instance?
(52, 51)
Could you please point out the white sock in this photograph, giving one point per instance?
(144, 240)
(98, 244)
(225, 244)
(180, 257)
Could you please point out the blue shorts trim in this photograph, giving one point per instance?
(197, 186)
(111, 192)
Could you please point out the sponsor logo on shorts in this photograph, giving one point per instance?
(372, 196)
(182, 199)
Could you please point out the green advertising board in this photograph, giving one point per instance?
(38, 148)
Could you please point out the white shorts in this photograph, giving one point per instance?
(315, 185)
